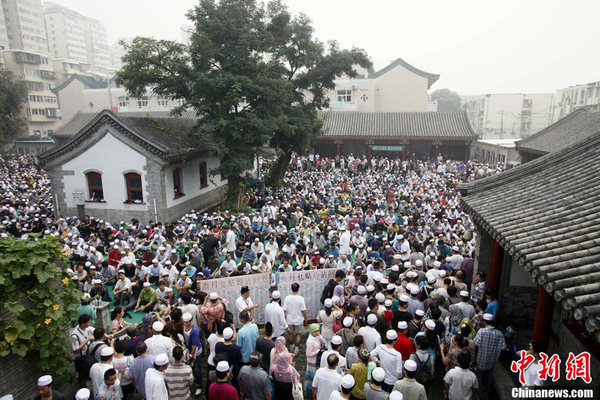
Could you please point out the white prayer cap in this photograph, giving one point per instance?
(443, 273)
(378, 374)
(407, 264)
(335, 300)
(377, 276)
(418, 263)
(97, 282)
(107, 351)
(83, 394)
(85, 297)
(430, 278)
(410, 365)
(187, 317)
(361, 290)
(464, 293)
(384, 281)
(391, 335)
(146, 284)
(397, 257)
(161, 359)
(322, 261)
(222, 366)
(276, 295)
(227, 333)
(429, 324)
(488, 317)
(157, 326)
(390, 287)
(336, 340)
(395, 268)
(328, 303)
(419, 312)
(347, 322)
(371, 319)
(88, 264)
(380, 297)
(93, 267)
(155, 260)
(414, 290)
(348, 381)
(411, 274)
(168, 262)
(404, 298)
(213, 296)
(44, 380)
(402, 325)
(396, 395)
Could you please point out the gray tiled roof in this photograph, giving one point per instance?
(546, 215)
(170, 138)
(579, 124)
(419, 125)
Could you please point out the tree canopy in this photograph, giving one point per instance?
(254, 75)
(448, 100)
(12, 95)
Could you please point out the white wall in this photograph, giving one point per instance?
(401, 90)
(190, 175)
(111, 158)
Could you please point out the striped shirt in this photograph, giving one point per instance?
(177, 378)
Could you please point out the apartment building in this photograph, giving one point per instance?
(65, 30)
(571, 98)
(23, 22)
(41, 105)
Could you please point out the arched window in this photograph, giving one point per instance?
(94, 181)
(133, 184)
(177, 183)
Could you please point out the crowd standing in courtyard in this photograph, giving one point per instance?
(405, 301)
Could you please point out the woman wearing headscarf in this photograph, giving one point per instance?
(284, 376)
(314, 344)
(278, 349)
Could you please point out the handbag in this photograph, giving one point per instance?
(297, 390)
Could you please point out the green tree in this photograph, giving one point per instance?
(12, 95)
(310, 70)
(448, 100)
(225, 75)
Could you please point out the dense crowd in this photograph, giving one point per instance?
(406, 301)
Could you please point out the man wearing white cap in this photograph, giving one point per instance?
(222, 389)
(468, 311)
(45, 391)
(490, 342)
(347, 333)
(146, 299)
(155, 386)
(159, 344)
(327, 379)
(347, 386)
(83, 394)
(97, 371)
(374, 390)
(389, 359)
(409, 387)
(369, 333)
(336, 346)
(275, 315)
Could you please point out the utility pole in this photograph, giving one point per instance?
(501, 124)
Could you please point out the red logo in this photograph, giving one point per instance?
(521, 365)
(579, 367)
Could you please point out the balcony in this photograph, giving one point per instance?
(28, 58)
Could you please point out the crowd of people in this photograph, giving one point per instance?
(405, 303)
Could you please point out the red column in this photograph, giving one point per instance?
(339, 149)
(543, 317)
(467, 152)
(369, 154)
(404, 146)
(496, 267)
(436, 151)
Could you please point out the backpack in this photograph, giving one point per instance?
(84, 363)
(423, 374)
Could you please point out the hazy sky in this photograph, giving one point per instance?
(477, 46)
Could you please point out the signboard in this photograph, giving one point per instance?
(387, 148)
(311, 285)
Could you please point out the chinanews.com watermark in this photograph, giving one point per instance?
(576, 367)
(552, 393)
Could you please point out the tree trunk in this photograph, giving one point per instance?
(278, 169)
(235, 192)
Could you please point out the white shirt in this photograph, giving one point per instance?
(345, 243)
(258, 248)
(531, 375)
(391, 362)
(341, 363)
(275, 315)
(230, 241)
(274, 247)
(229, 265)
(371, 336)
(158, 344)
(326, 381)
(405, 250)
(156, 389)
(97, 375)
(293, 305)
(241, 303)
(335, 395)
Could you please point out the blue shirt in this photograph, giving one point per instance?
(492, 308)
(246, 339)
(137, 370)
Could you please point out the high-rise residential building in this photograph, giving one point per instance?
(117, 51)
(41, 105)
(24, 24)
(3, 31)
(510, 115)
(66, 33)
(96, 43)
(571, 98)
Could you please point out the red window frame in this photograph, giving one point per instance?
(130, 189)
(94, 188)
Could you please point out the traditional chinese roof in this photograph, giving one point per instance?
(579, 124)
(88, 81)
(546, 215)
(386, 125)
(431, 78)
(165, 136)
